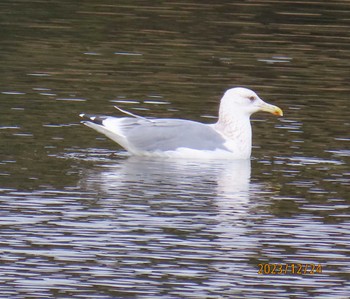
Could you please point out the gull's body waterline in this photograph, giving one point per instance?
(229, 138)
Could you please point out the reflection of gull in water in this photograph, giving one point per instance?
(225, 183)
(229, 176)
(179, 202)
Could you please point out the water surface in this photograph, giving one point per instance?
(80, 219)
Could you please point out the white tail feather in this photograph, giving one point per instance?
(132, 114)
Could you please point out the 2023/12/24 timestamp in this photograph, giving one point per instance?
(297, 269)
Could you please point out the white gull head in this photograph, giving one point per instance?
(236, 107)
(242, 101)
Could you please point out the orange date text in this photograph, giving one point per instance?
(293, 268)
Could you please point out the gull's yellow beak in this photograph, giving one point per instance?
(272, 109)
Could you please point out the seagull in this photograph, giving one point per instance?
(229, 138)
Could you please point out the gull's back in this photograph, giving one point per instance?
(141, 135)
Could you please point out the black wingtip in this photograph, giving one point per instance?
(97, 119)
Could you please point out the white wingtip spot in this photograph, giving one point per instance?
(82, 114)
(93, 118)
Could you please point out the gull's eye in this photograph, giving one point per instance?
(252, 98)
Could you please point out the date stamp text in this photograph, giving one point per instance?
(283, 269)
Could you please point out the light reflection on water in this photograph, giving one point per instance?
(166, 228)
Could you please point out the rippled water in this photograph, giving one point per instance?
(81, 219)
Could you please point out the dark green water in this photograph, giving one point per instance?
(80, 219)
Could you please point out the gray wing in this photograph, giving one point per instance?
(170, 134)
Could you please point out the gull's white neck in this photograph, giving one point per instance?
(236, 129)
